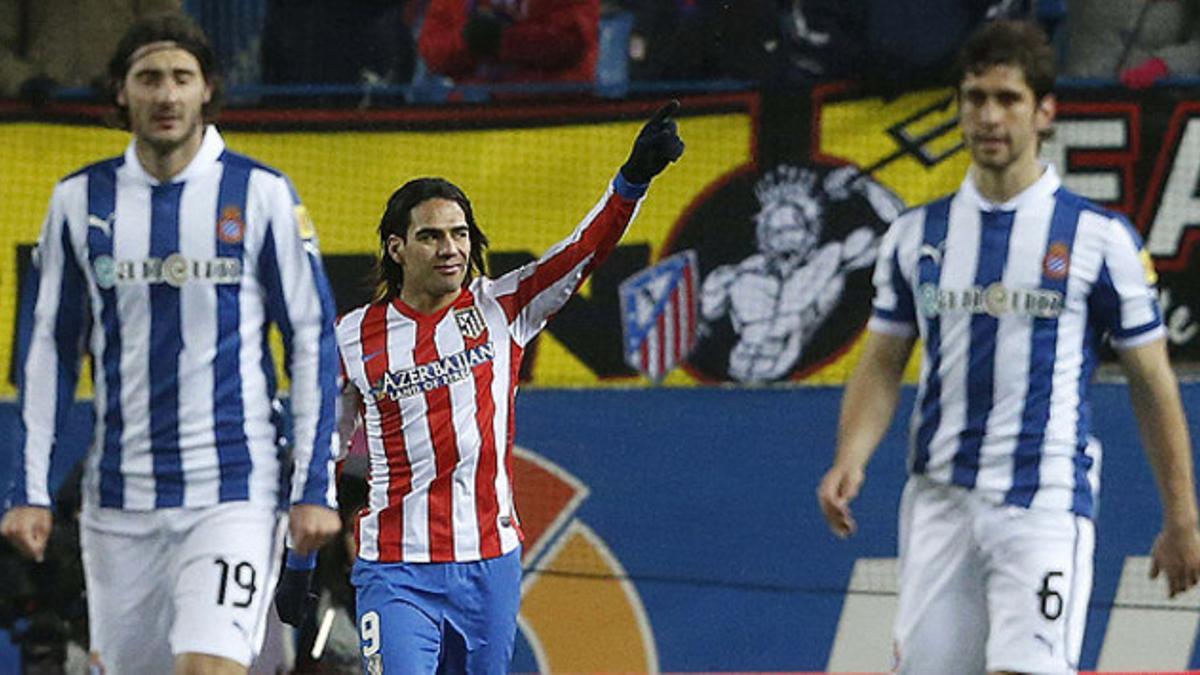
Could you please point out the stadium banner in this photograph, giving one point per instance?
(677, 530)
(780, 201)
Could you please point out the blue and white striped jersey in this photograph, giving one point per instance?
(1012, 301)
(172, 287)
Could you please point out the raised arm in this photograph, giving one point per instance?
(532, 293)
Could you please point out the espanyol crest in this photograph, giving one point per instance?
(658, 314)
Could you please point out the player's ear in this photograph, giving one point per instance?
(122, 101)
(1047, 108)
(395, 249)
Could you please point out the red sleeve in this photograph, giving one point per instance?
(441, 41)
(591, 241)
(557, 34)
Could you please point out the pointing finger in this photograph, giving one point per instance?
(665, 112)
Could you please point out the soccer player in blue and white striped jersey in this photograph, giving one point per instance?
(168, 264)
(1011, 283)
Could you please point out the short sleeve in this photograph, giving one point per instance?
(1124, 302)
(893, 309)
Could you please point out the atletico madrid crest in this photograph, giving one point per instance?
(470, 322)
(658, 314)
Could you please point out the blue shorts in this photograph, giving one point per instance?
(438, 617)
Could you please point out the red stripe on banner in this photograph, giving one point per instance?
(439, 415)
(644, 351)
(676, 324)
(660, 325)
(689, 284)
(391, 421)
(487, 510)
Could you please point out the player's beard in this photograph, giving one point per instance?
(998, 161)
(192, 126)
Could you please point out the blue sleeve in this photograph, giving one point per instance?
(49, 363)
(300, 303)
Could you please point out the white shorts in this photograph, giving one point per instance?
(175, 581)
(986, 586)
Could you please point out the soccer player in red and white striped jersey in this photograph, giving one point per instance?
(432, 365)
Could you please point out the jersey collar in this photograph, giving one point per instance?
(435, 316)
(210, 150)
(1046, 185)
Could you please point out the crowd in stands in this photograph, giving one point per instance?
(47, 44)
(894, 45)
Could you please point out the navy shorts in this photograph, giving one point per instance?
(438, 617)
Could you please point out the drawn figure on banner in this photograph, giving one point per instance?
(779, 296)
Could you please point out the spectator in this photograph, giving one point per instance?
(897, 45)
(339, 649)
(43, 605)
(352, 42)
(705, 39)
(475, 41)
(823, 39)
(46, 44)
(1138, 42)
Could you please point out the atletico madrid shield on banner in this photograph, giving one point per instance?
(658, 314)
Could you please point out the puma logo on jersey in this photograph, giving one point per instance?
(1045, 641)
(102, 224)
(931, 251)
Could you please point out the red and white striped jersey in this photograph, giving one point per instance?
(438, 391)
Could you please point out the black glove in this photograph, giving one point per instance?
(37, 90)
(295, 600)
(483, 33)
(657, 145)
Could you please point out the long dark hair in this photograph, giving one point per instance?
(397, 216)
(174, 27)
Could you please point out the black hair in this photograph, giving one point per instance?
(174, 27)
(1022, 44)
(397, 216)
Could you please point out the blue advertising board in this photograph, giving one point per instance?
(703, 503)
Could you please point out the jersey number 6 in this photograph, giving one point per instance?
(1052, 600)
